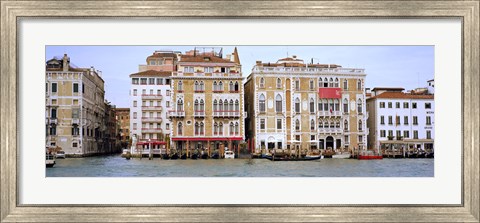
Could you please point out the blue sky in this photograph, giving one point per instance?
(386, 66)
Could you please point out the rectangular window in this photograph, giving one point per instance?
(360, 138)
(159, 81)
(143, 81)
(54, 113)
(405, 104)
(429, 120)
(168, 104)
(429, 134)
(382, 133)
(83, 88)
(390, 133)
(54, 87)
(397, 120)
(390, 120)
(428, 105)
(397, 105)
(144, 91)
(415, 134)
(382, 120)
(134, 115)
(75, 113)
(46, 87)
(134, 92)
(399, 134)
(414, 105)
(134, 103)
(168, 92)
(188, 69)
(389, 104)
(134, 126)
(382, 104)
(135, 81)
(279, 124)
(405, 120)
(75, 87)
(297, 85)
(151, 81)
(415, 120)
(406, 134)
(262, 124)
(208, 69)
(167, 126)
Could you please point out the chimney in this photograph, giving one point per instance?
(66, 62)
(259, 62)
(294, 56)
(92, 70)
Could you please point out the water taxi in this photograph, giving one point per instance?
(49, 160)
(229, 155)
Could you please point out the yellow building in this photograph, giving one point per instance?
(208, 102)
(295, 105)
(75, 108)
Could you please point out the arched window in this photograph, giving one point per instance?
(359, 84)
(345, 84)
(180, 129)
(359, 106)
(220, 86)
(312, 85)
(360, 127)
(215, 86)
(220, 128)
(345, 125)
(230, 88)
(196, 86)
(179, 105)
(236, 86)
(202, 128)
(337, 125)
(197, 128)
(297, 125)
(237, 129)
(312, 124)
(237, 108)
(297, 105)
(231, 105)
(331, 105)
(332, 124)
(345, 106)
(325, 82)
(336, 82)
(278, 103)
(202, 86)
(320, 82)
(231, 128)
(215, 106)
(262, 82)
(215, 129)
(326, 124)
(220, 105)
(330, 83)
(180, 86)
(312, 105)
(225, 105)
(261, 103)
(325, 105)
(195, 106)
(337, 104)
(320, 124)
(202, 105)
(279, 83)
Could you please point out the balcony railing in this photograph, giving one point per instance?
(328, 113)
(152, 119)
(226, 114)
(176, 113)
(152, 96)
(75, 121)
(330, 130)
(199, 113)
(151, 130)
(52, 121)
(156, 108)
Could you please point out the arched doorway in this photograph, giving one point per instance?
(329, 142)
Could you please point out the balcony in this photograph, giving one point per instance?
(51, 121)
(200, 114)
(330, 130)
(329, 114)
(75, 121)
(177, 114)
(151, 130)
(152, 96)
(226, 114)
(152, 108)
(152, 119)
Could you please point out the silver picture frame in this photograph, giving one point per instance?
(14, 11)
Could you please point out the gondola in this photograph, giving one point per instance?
(174, 156)
(215, 156)
(165, 156)
(204, 156)
(183, 156)
(287, 158)
(193, 156)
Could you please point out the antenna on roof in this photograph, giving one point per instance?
(194, 51)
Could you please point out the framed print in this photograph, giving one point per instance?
(354, 56)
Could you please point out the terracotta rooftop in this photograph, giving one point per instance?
(388, 88)
(122, 109)
(203, 59)
(161, 55)
(401, 95)
(152, 73)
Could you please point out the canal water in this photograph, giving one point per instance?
(115, 166)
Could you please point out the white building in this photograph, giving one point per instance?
(404, 119)
(149, 103)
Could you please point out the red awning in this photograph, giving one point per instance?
(330, 92)
(207, 139)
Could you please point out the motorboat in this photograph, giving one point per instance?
(229, 155)
(60, 155)
(292, 158)
(49, 160)
(369, 155)
(345, 155)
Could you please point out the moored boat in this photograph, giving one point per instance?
(60, 155)
(369, 155)
(229, 155)
(174, 156)
(49, 160)
(342, 156)
(183, 156)
(291, 158)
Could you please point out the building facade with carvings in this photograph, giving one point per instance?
(296, 105)
(75, 108)
(207, 112)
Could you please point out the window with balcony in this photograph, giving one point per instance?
(325, 104)
(261, 103)
(278, 104)
(179, 105)
(337, 105)
(390, 133)
(297, 105)
(415, 134)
